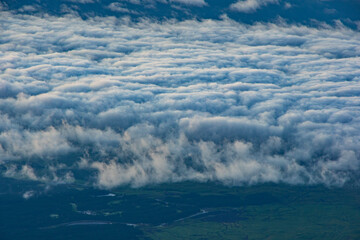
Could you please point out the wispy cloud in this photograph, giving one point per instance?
(152, 102)
(199, 3)
(248, 6)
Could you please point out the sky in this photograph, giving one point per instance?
(139, 92)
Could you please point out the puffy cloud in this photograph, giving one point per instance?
(149, 102)
(248, 6)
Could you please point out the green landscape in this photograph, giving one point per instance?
(186, 210)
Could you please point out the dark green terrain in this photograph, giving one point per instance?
(179, 211)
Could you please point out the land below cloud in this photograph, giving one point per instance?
(177, 211)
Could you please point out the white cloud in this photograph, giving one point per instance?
(81, 1)
(151, 102)
(118, 7)
(287, 5)
(28, 194)
(29, 8)
(121, 7)
(198, 3)
(248, 6)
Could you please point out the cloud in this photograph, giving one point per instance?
(81, 1)
(28, 194)
(287, 5)
(118, 7)
(249, 6)
(115, 102)
(121, 7)
(198, 3)
(29, 8)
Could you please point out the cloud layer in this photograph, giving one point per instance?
(114, 102)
